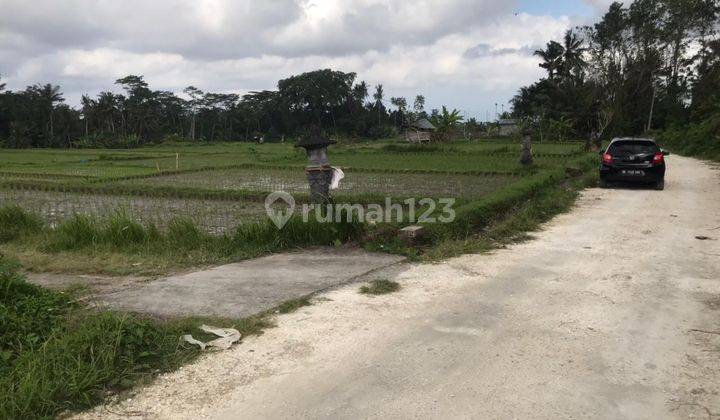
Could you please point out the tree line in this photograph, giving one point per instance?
(650, 65)
(330, 100)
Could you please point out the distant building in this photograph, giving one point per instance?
(419, 131)
(507, 127)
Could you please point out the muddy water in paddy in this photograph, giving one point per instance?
(294, 181)
(211, 216)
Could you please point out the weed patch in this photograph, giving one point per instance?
(380, 287)
(293, 305)
(16, 222)
(57, 356)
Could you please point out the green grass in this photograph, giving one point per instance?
(113, 212)
(56, 355)
(16, 222)
(129, 247)
(293, 305)
(380, 287)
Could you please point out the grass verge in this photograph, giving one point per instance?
(119, 245)
(497, 220)
(56, 355)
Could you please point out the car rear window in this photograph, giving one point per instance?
(632, 147)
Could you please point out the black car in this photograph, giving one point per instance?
(633, 160)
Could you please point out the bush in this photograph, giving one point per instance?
(107, 141)
(183, 234)
(15, 222)
(121, 231)
(54, 355)
(295, 233)
(57, 356)
(28, 314)
(75, 233)
(699, 139)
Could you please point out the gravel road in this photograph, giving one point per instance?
(613, 311)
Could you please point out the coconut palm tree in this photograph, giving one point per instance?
(552, 57)
(572, 55)
(49, 95)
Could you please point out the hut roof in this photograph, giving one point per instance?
(422, 124)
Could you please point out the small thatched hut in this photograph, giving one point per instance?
(419, 131)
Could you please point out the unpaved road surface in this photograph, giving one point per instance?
(594, 318)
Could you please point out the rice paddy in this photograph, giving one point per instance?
(222, 186)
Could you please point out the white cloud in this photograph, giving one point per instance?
(467, 54)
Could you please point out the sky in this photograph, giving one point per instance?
(465, 54)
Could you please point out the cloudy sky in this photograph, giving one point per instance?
(467, 54)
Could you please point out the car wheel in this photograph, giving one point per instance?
(660, 185)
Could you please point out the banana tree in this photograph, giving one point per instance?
(445, 121)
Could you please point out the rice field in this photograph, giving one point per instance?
(155, 184)
(213, 217)
(355, 182)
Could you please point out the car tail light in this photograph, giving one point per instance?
(658, 159)
(607, 159)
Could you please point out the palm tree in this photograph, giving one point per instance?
(572, 56)
(360, 92)
(107, 107)
(50, 95)
(552, 57)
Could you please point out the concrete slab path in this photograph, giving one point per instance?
(248, 287)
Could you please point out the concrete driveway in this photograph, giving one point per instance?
(613, 311)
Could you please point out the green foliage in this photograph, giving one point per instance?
(293, 305)
(412, 148)
(56, 355)
(28, 314)
(121, 230)
(106, 141)
(699, 139)
(295, 233)
(632, 71)
(183, 234)
(15, 222)
(445, 121)
(380, 287)
(78, 232)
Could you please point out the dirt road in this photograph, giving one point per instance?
(596, 317)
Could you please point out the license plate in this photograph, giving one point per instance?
(633, 172)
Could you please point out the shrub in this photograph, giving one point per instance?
(120, 230)
(28, 314)
(183, 234)
(700, 139)
(77, 232)
(14, 222)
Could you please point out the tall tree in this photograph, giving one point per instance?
(378, 97)
(196, 98)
